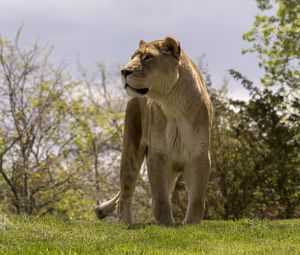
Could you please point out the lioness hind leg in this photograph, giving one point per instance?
(196, 179)
(132, 158)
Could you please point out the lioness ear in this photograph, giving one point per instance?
(142, 42)
(171, 47)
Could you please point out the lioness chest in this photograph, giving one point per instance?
(176, 137)
(179, 141)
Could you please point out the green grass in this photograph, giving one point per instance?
(28, 235)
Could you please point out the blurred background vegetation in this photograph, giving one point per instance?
(61, 136)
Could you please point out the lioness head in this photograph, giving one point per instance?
(153, 68)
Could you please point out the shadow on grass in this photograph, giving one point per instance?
(134, 226)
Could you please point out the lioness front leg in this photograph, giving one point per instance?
(160, 180)
(132, 158)
(196, 178)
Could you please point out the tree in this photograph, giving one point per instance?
(60, 139)
(276, 42)
(35, 141)
(270, 121)
(273, 137)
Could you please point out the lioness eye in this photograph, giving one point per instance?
(147, 57)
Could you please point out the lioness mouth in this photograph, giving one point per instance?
(140, 91)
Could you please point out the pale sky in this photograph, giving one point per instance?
(109, 30)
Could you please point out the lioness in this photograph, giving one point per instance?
(168, 122)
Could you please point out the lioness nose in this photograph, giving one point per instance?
(126, 72)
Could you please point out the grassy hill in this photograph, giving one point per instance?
(29, 235)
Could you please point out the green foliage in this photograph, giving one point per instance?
(271, 131)
(255, 144)
(29, 235)
(276, 41)
(52, 135)
(31, 127)
(270, 121)
(232, 182)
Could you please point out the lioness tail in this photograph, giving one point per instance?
(108, 207)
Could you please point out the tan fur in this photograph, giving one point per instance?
(170, 125)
